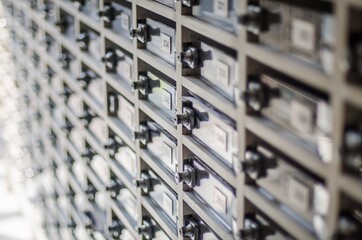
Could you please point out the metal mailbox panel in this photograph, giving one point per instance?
(162, 94)
(304, 114)
(221, 13)
(294, 188)
(123, 21)
(126, 112)
(220, 70)
(303, 32)
(161, 40)
(163, 146)
(127, 159)
(129, 203)
(95, 45)
(164, 197)
(215, 130)
(215, 192)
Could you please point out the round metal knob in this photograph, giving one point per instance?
(146, 230)
(190, 57)
(190, 230)
(140, 33)
(83, 41)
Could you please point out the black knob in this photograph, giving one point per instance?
(91, 192)
(254, 229)
(72, 225)
(190, 230)
(256, 164)
(188, 176)
(62, 23)
(141, 85)
(80, 2)
(69, 160)
(258, 95)
(115, 229)
(113, 145)
(87, 117)
(68, 127)
(89, 154)
(110, 59)
(186, 118)
(64, 60)
(258, 19)
(47, 9)
(83, 40)
(144, 183)
(114, 187)
(84, 78)
(66, 92)
(352, 148)
(190, 57)
(140, 33)
(143, 134)
(146, 229)
(108, 14)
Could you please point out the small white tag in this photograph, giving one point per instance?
(221, 8)
(127, 112)
(166, 99)
(167, 204)
(125, 69)
(220, 138)
(167, 152)
(125, 21)
(324, 117)
(301, 117)
(222, 73)
(325, 148)
(165, 43)
(299, 194)
(303, 35)
(219, 201)
(321, 199)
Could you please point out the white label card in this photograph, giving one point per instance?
(166, 99)
(299, 194)
(125, 69)
(220, 138)
(167, 152)
(221, 7)
(165, 43)
(303, 35)
(127, 114)
(219, 201)
(167, 204)
(125, 21)
(222, 73)
(301, 117)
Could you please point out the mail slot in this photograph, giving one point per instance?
(210, 127)
(217, 64)
(120, 62)
(297, 30)
(158, 37)
(303, 111)
(221, 13)
(282, 180)
(162, 197)
(127, 202)
(161, 144)
(90, 41)
(158, 91)
(210, 188)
